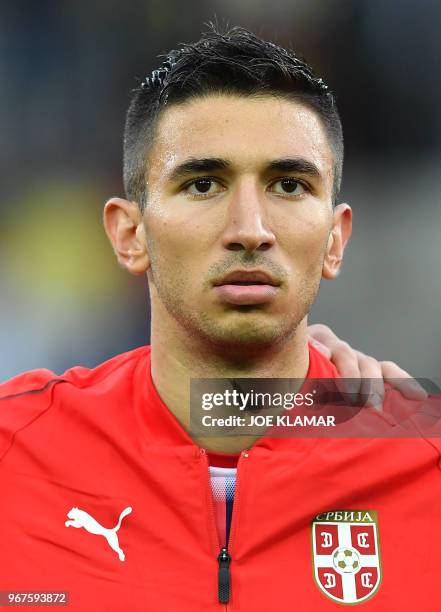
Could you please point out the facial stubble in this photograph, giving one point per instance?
(234, 329)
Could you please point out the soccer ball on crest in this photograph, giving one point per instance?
(346, 560)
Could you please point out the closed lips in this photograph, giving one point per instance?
(241, 277)
(247, 288)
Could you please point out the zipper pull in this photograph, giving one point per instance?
(224, 576)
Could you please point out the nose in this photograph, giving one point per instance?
(247, 224)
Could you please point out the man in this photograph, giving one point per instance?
(233, 159)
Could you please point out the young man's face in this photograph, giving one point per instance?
(239, 222)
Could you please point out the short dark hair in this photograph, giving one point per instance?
(237, 62)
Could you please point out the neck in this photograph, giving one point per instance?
(176, 358)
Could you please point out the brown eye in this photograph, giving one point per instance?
(288, 186)
(203, 186)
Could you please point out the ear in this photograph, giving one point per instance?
(125, 230)
(338, 238)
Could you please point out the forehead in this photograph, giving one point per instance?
(248, 131)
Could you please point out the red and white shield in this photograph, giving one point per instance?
(346, 554)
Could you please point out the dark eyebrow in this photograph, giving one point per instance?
(211, 164)
(195, 165)
(295, 164)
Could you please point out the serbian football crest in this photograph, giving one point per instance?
(346, 554)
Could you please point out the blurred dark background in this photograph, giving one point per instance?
(67, 71)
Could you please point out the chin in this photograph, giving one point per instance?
(249, 336)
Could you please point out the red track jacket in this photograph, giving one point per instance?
(106, 497)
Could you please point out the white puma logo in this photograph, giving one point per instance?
(82, 519)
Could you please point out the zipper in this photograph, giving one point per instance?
(223, 576)
(224, 557)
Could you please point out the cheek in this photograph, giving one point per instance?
(176, 242)
(304, 238)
